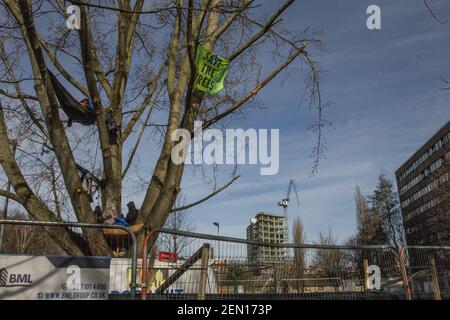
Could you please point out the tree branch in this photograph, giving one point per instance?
(19, 92)
(207, 197)
(173, 51)
(61, 69)
(9, 195)
(58, 138)
(86, 44)
(25, 196)
(18, 96)
(141, 133)
(141, 108)
(432, 13)
(156, 10)
(231, 19)
(262, 32)
(97, 65)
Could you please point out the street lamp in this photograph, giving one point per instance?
(218, 227)
(218, 243)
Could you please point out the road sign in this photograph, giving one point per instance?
(167, 256)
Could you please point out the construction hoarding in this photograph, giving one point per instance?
(54, 277)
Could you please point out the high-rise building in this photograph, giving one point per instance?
(269, 228)
(417, 179)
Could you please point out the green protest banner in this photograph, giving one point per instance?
(211, 70)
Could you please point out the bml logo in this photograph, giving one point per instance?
(14, 279)
(3, 277)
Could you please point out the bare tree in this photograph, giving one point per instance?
(181, 221)
(148, 72)
(28, 239)
(367, 221)
(299, 253)
(362, 209)
(23, 235)
(328, 261)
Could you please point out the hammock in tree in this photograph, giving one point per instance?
(81, 112)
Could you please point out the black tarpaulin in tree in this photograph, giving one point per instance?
(75, 110)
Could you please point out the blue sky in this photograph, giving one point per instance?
(385, 88)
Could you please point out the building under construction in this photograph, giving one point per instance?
(270, 228)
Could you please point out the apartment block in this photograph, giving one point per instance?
(417, 179)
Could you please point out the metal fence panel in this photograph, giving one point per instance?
(428, 272)
(241, 269)
(216, 267)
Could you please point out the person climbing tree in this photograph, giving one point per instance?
(132, 213)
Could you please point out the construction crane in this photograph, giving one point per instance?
(285, 203)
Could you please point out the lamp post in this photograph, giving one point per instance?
(218, 243)
(218, 227)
